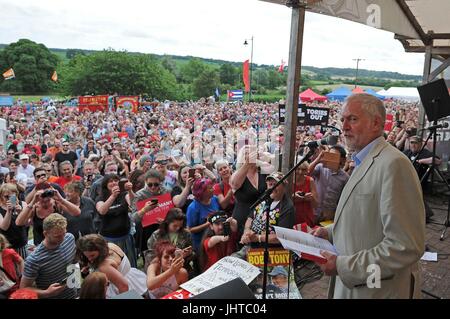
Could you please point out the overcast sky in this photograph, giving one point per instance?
(204, 28)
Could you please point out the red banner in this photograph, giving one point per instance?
(130, 103)
(245, 78)
(389, 122)
(153, 217)
(93, 103)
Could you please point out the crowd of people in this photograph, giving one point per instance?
(75, 179)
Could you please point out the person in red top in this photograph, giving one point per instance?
(9, 260)
(223, 189)
(305, 196)
(66, 170)
(220, 239)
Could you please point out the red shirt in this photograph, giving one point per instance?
(220, 250)
(218, 191)
(9, 259)
(62, 181)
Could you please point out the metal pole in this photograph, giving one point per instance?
(426, 74)
(251, 69)
(293, 83)
(357, 69)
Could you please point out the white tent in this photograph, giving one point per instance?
(401, 93)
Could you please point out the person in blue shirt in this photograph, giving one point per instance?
(204, 203)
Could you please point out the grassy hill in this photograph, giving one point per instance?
(330, 72)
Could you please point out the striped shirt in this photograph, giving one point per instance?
(47, 266)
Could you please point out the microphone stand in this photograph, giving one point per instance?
(265, 196)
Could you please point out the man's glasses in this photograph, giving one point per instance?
(153, 184)
(40, 175)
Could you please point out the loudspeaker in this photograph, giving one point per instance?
(234, 289)
(435, 99)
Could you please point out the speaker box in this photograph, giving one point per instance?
(435, 99)
(234, 289)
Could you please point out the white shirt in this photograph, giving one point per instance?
(28, 172)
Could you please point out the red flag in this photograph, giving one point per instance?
(281, 68)
(245, 75)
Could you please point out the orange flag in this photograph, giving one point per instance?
(9, 74)
(54, 76)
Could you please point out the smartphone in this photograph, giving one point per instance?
(192, 173)
(178, 253)
(11, 175)
(13, 200)
(63, 281)
(122, 183)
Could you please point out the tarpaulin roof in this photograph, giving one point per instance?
(357, 90)
(309, 95)
(339, 94)
(416, 23)
(402, 93)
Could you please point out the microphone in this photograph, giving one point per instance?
(434, 127)
(318, 143)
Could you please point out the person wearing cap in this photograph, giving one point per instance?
(26, 169)
(281, 213)
(279, 281)
(170, 177)
(219, 240)
(424, 159)
(379, 226)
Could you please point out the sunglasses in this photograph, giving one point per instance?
(10, 153)
(40, 175)
(153, 184)
(162, 162)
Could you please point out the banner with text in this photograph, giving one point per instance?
(306, 115)
(281, 281)
(93, 103)
(159, 213)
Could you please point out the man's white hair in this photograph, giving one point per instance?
(372, 105)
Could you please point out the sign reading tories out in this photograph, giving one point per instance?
(307, 115)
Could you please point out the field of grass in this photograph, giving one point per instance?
(35, 98)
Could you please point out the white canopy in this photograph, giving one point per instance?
(402, 93)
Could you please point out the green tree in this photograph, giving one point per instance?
(191, 70)
(228, 74)
(110, 71)
(33, 66)
(206, 83)
(71, 53)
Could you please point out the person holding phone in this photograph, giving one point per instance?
(182, 192)
(165, 273)
(45, 201)
(153, 187)
(173, 228)
(10, 207)
(219, 240)
(113, 206)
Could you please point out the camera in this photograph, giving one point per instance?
(48, 193)
(411, 131)
(301, 193)
(399, 123)
(226, 229)
(89, 177)
(109, 150)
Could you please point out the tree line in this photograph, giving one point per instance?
(84, 72)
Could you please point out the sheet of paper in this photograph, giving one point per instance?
(221, 272)
(302, 242)
(429, 256)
